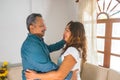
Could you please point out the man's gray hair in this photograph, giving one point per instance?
(31, 19)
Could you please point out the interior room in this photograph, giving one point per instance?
(101, 20)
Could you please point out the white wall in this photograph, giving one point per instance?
(13, 13)
(12, 28)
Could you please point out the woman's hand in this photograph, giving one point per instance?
(74, 75)
(31, 75)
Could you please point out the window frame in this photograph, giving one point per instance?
(108, 38)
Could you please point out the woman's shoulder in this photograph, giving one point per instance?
(72, 49)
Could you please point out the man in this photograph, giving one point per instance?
(34, 51)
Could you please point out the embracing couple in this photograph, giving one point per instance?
(35, 53)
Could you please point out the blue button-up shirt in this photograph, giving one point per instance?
(35, 54)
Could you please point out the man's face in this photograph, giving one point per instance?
(38, 27)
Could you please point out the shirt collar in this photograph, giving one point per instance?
(33, 35)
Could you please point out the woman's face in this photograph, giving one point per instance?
(67, 33)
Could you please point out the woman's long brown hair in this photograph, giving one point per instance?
(77, 39)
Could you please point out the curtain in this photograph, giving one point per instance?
(87, 15)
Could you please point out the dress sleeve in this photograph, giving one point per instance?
(72, 51)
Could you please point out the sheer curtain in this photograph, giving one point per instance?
(87, 15)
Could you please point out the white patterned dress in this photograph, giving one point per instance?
(76, 54)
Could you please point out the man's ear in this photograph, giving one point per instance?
(31, 28)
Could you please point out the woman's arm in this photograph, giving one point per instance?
(60, 74)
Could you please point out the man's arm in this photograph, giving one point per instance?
(42, 67)
(56, 46)
(33, 58)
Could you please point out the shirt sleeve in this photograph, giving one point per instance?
(56, 46)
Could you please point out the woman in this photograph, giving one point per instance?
(72, 58)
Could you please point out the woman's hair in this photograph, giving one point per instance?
(77, 39)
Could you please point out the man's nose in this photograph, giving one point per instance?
(45, 27)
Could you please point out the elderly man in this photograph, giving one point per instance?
(34, 51)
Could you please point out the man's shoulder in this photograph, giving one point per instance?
(26, 43)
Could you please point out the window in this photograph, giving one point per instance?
(108, 33)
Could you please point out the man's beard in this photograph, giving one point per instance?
(39, 35)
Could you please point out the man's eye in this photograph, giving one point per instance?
(67, 30)
(41, 26)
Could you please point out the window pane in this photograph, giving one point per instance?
(101, 29)
(115, 63)
(100, 59)
(115, 47)
(116, 30)
(115, 12)
(108, 8)
(100, 44)
(102, 16)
